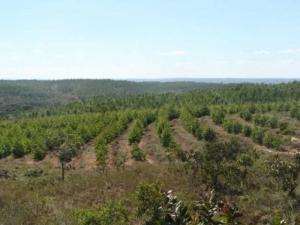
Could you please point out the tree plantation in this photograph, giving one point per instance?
(175, 153)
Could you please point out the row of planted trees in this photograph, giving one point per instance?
(116, 126)
(40, 135)
(188, 117)
(258, 134)
(143, 119)
(164, 131)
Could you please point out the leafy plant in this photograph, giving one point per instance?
(138, 153)
(111, 213)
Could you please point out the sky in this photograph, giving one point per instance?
(125, 39)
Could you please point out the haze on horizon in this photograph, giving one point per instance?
(54, 39)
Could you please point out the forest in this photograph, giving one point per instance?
(105, 152)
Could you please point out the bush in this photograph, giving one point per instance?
(121, 159)
(247, 131)
(166, 138)
(138, 154)
(271, 141)
(252, 109)
(283, 126)
(285, 173)
(272, 122)
(209, 134)
(4, 150)
(18, 150)
(246, 115)
(136, 133)
(232, 126)
(295, 113)
(39, 154)
(150, 198)
(202, 111)
(218, 116)
(261, 120)
(112, 213)
(257, 135)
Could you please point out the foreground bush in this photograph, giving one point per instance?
(111, 213)
(164, 208)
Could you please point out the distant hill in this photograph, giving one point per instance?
(221, 80)
(23, 95)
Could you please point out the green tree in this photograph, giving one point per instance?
(65, 156)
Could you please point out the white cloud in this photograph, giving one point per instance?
(283, 51)
(290, 51)
(174, 53)
(262, 52)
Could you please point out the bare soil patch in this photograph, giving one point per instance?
(182, 137)
(150, 143)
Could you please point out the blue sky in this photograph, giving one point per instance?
(52, 39)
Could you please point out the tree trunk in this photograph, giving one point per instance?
(62, 171)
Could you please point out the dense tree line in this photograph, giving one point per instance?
(81, 96)
(20, 96)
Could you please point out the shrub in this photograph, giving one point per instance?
(257, 135)
(18, 150)
(166, 138)
(295, 113)
(112, 213)
(218, 116)
(136, 133)
(202, 111)
(101, 153)
(247, 131)
(150, 198)
(283, 126)
(260, 120)
(246, 115)
(121, 159)
(138, 154)
(285, 173)
(271, 141)
(39, 154)
(4, 150)
(252, 109)
(209, 134)
(232, 126)
(272, 122)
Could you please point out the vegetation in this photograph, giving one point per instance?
(149, 153)
(116, 126)
(138, 153)
(191, 123)
(143, 120)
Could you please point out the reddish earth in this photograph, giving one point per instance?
(86, 158)
(182, 137)
(120, 144)
(150, 143)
